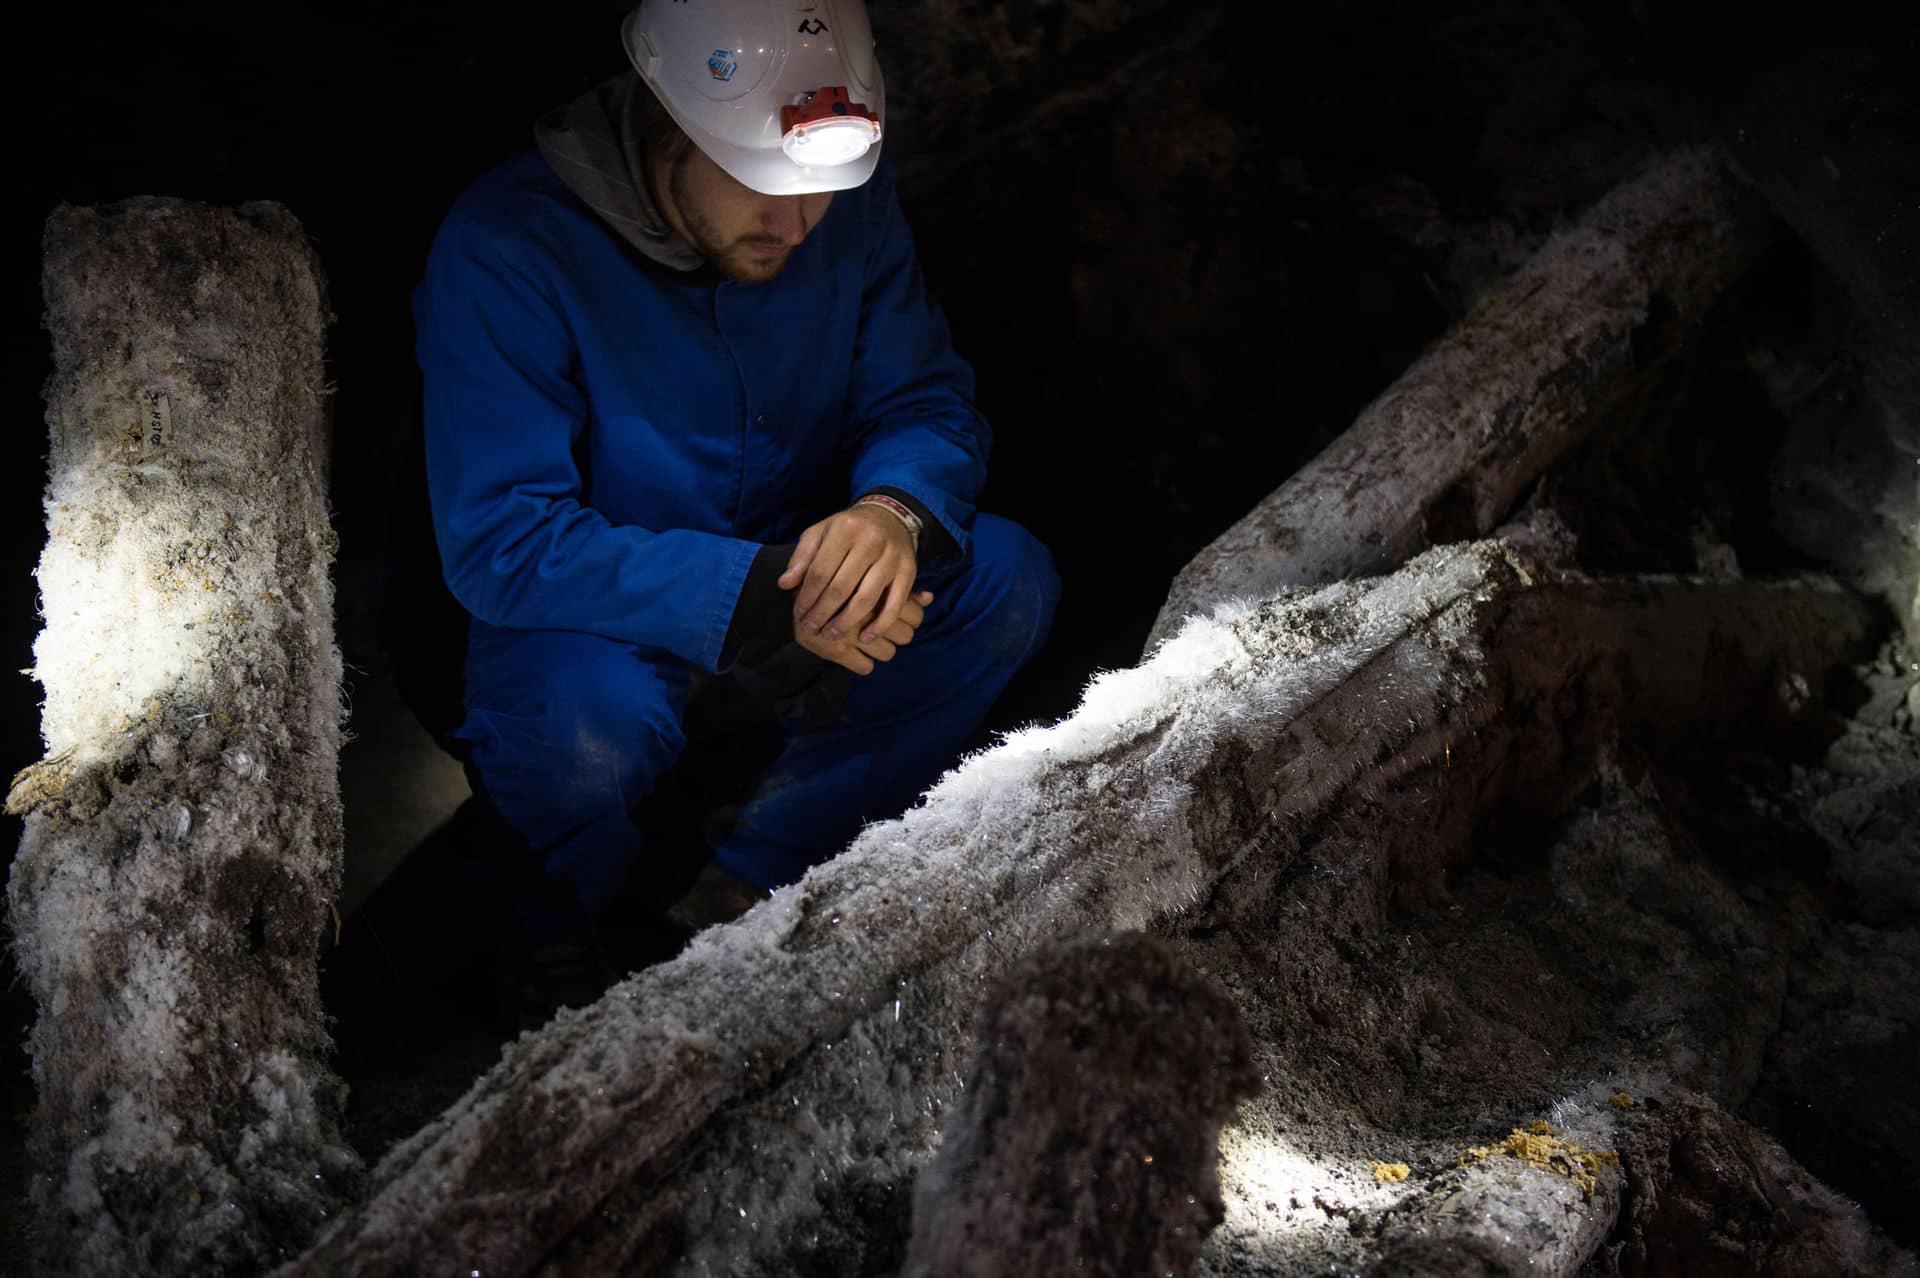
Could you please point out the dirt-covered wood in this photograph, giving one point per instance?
(182, 846)
(1087, 1136)
(1545, 358)
(1708, 1191)
(762, 1103)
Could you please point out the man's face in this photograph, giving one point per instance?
(747, 236)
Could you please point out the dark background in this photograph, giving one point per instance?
(1182, 243)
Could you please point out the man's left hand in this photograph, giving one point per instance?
(858, 564)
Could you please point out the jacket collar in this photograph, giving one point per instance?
(592, 144)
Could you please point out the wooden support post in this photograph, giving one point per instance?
(182, 847)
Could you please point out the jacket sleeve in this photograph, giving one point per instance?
(503, 415)
(910, 408)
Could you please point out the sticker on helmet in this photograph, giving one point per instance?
(721, 64)
(811, 26)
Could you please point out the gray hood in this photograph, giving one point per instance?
(594, 147)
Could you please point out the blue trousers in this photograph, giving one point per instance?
(567, 733)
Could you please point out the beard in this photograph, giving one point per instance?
(734, 258)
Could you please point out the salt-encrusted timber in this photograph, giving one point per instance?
(1560, 347)
(760, 1104)
(183, 840)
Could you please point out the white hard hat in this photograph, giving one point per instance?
(785, 95)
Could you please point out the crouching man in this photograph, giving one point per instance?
(691, 421)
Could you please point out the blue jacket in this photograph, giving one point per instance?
(609, 442)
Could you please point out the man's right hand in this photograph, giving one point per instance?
(857, 654)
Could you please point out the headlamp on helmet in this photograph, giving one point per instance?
(826, 128)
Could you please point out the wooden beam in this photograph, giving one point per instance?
(1443, 453)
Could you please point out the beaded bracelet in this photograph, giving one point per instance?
(899, 510)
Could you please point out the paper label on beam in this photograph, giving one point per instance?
(156, 425)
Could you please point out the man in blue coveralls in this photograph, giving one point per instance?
(691, 420)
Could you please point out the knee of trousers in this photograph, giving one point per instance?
(589, 754)
(1012, 591)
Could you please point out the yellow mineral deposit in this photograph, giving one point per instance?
(1391, 1173)
(1537, 1146)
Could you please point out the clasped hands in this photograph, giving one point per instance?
(855, 603)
